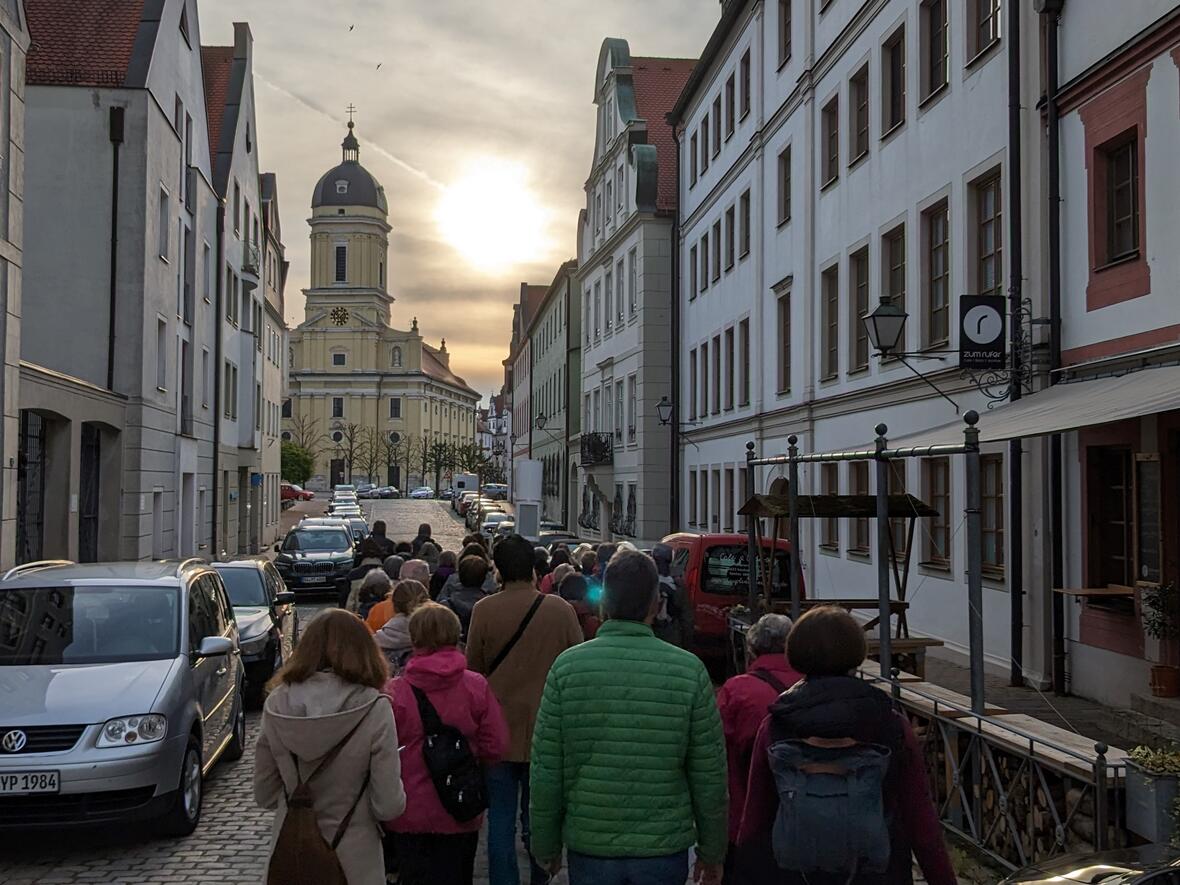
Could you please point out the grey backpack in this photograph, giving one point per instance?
(831, 814)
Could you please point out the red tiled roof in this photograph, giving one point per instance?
(658, 83)
(435, 368)
(216, 65)
(81, 42)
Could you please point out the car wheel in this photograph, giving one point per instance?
(185, 814)
(236, 747)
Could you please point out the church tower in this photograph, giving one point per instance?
(365, 398)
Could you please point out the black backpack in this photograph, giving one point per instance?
(457, 775)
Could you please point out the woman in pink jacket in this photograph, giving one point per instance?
(432, 847)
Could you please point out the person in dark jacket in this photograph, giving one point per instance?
(393, 566)
(473, 570)
(422, 537)
(826, 645)
(674, 623)
(368, 557)
(378, 537)
(448, 565)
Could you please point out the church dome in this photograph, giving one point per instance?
(350, 183)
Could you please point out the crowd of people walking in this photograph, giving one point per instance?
(552, 694)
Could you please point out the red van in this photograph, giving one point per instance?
(714, 569)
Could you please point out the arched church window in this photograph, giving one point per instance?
(397, 358)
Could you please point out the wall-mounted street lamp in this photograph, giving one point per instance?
(664, 410)
(886, 328)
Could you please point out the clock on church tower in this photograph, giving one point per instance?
(340, 316)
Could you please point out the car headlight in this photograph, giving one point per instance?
(146, 728)
(252, 645)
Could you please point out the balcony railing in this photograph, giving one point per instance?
(251, 258)
(597, 449)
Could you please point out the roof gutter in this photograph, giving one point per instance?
(731, 12)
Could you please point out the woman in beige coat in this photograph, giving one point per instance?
(328, 700)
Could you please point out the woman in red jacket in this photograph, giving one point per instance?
(432, 847)
(833, 714)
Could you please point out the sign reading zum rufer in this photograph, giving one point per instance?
(981, 331)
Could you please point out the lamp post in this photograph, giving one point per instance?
(664, 410)
(885, 326)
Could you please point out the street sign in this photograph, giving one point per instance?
(981, 331)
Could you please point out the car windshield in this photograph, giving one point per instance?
(245, 586)
(497, 517)
(727, 571)
(88, 625)
(316, 540)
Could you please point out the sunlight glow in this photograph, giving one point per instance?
(491, 217)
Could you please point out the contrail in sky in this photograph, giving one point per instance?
(313, 106)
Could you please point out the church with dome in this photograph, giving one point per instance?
(358, 383)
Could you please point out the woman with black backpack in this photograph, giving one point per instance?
(326, 760)
(451, 726)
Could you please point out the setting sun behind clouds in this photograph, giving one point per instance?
(491, 216)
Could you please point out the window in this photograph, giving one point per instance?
(229, 389)
(619, 412)
(830, 288)
(730, 238)
(938, 275)
(744, 230)
(703, 515)
(237, 208)
(989, 243)
(610, 218)
(396, 357)
(717, 250)
(610, 290)
(633, 281)
(858, 282)
(784, 186)
(692, 162)
(206, 378)
(258, 407)
(730, 106)
(744, 378)
(286, 408)
(704, 401)
(165, 224)
(337, 407)
(716, 125)
(632, 406)
(716, 374)
(983, 27)
(938, 494)
(727, 525)
(893, 256)
(705, 145)
(893, 82)
(746, 81)
(692, 497)
(339, 359)
(692, 273)
(619, 188)
(705, 261)
(207, 272)
(858, 114)
(1122, 198)
(619, 305)
(341, 264)
(898, 527)
(784, 342)
(858, 480)
(784, 31)
(597, 310)
(830, 530)
(831, 141)
(692, 384)
(161, 354)
(992, 496)
(586, 321)
(730, 365)
(935, 47)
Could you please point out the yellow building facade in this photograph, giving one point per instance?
(366, 399)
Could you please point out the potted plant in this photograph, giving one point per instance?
(1160, 622)
(1152, 777)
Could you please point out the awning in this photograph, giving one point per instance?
(1064, 407)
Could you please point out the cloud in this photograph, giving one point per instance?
(512, 79)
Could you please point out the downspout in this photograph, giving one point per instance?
(565, 472)
(674, 488)
(117, 118)
(217, 370)
(1015, 329)
(1052, 12)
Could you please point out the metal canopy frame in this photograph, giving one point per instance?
(882, 455)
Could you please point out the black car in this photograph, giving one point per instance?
(268, 625)
(315, 559)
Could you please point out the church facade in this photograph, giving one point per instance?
(370, 401)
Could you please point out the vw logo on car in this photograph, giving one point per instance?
(14, 741)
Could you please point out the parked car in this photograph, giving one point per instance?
(1155, 864)
(460, 504)
(388, 492)
(503, 529)
(492, 520)
(344, 488)
(422, 492)
(496, 490)
(289, 491)
(119, 694)
(364, 489)
(268, 625)
(315, 558)
(447, 494)
(478, 511)
(550, 540)
(715, 570)
(340, 506)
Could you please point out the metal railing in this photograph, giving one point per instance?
(597, 449)
(251, 257)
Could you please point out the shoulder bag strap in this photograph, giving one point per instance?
(769, 678)
(431, 722)
(499, 659)
(351, 811)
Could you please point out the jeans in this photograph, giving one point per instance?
(671, 869)
(508, 793)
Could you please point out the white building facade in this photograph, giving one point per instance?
(274, 349)
(624, 278)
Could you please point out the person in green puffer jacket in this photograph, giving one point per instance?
(628, 758)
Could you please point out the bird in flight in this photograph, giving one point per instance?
(350, 27)
(379, 65)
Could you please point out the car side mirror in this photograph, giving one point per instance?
(285, 597)
(278, 547)
(215, 646)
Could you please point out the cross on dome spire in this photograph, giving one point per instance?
(350, 146)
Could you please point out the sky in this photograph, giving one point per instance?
(479, 123)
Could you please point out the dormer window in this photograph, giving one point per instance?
(341, 186)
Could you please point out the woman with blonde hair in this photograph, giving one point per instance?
(393, 639)
(434, 847)
(327, 727)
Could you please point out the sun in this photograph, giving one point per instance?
(491, 216)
